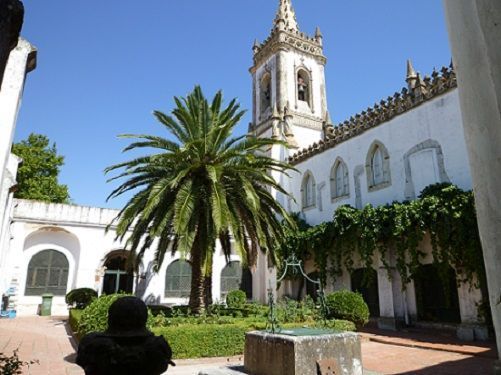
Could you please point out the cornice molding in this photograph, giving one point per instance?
(286, 40)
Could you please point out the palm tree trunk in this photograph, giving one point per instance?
(208, 290)
(196, 303)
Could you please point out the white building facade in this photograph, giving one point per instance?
(387, 153)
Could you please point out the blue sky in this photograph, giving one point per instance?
(104, 66)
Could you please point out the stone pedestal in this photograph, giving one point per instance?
(275, 354)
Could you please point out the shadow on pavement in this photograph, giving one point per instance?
(468, 366)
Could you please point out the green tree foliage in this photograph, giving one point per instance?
(199, 188)
(37, 176)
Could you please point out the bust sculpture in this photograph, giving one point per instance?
(127, 346)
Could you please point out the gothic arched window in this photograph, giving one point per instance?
(308, 190)
(303, 86)
(339, 180)
(178, 279)
(265, 93)
(378, 166)
(47, 273)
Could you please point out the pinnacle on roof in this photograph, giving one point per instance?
(286, 17)
(411, 73)
(318, 33)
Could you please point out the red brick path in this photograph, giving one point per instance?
(45, 339)
(48, 340)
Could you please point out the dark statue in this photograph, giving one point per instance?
(127, 347)
(11, 21)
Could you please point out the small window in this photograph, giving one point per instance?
(308, 191)
(303, 86)
(339, 180)
(178, 279)
(47, 273)
(265, 93)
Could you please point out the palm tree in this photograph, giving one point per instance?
(203, 186)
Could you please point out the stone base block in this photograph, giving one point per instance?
(275, 354)
(389, 324)
(472, 332)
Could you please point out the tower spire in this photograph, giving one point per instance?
(286, 17)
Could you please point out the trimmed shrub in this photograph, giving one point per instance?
(95, 316)
(219, 340)
(80, 298)
(74, 319)
(348, 306)
(236, 299)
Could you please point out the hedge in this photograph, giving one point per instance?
(212, 340)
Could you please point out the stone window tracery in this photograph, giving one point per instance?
(377, 166)
(308, 191)
(339, 180)
(178, 279)
(47, 273)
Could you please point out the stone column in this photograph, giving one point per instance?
(475, 35)
(281, 92)
(386, 306)
(21, 61)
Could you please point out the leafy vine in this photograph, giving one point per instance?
(394, 234)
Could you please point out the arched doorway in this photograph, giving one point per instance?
(437, 294)
(364, 281)
(116, 277)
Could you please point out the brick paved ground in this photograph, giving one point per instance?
(45, 339)
(48, 340)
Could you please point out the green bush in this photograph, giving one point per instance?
(348, 306)
(81, 297)
(236, 299)
(95, 316)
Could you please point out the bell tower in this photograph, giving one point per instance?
(288, 75)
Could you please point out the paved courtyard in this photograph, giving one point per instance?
(49, 341)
